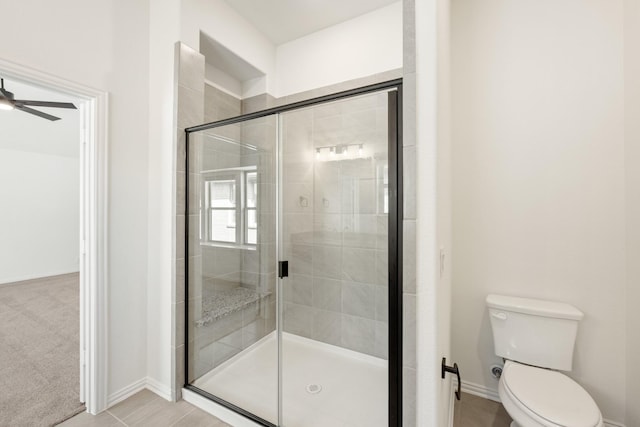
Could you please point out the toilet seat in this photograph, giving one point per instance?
(547, 398)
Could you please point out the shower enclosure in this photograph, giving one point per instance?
(293, 279)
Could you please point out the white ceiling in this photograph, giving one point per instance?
(26, 132)
(285, 20)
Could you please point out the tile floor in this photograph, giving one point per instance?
(474, 411)
(147, 409)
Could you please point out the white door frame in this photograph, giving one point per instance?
(93, 228)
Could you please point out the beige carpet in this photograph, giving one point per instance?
(39, 371)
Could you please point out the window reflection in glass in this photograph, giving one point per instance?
(230, 206)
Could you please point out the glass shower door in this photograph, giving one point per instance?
(334, 215)
(233, 351)
(314, 185)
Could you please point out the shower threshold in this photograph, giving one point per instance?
(323, 385)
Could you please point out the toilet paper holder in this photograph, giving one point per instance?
(454, 370)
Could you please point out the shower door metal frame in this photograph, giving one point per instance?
(395, 218)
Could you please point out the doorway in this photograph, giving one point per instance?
(39, 254)
(92, 261)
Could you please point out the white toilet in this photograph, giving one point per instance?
(536, 338)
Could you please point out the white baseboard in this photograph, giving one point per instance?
(126, 392)
(160, 389)
(452, 402)
(480, 390)
(491, 394)
(7, 281)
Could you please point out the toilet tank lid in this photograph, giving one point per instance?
(558, 310)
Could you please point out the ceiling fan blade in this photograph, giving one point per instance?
(45, 104)
(37, 113)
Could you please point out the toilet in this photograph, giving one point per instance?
(536, 338)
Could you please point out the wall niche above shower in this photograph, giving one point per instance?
(237, 83)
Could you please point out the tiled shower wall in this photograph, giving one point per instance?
(189, 71)
(409, 365)
(335, 228)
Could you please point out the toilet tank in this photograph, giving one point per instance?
(534, 332)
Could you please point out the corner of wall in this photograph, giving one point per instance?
(164, 31)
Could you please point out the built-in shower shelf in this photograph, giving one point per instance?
(224, 302)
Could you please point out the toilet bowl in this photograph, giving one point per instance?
(538, 397)
(536, 338)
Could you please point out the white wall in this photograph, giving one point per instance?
(444, 209)
(538, 177)
(632, 169)
(359, 47)
(103, 44)
(433, 198)
(40, 222)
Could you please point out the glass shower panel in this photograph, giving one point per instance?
(335, 236)
(233, 352)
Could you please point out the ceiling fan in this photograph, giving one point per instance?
(7, 102)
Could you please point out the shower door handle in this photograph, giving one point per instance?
(283, 269)
(454, 370)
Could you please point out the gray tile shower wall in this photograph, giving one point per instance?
(237, 305)
(335, 228)
(190, 111)
(409, 261)
(257, 103)
(219, 105)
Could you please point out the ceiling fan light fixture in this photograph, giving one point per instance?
(8, 102)
(6, 105)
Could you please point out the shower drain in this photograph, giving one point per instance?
(314, 388)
